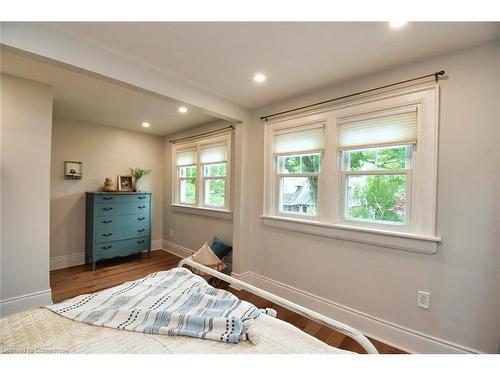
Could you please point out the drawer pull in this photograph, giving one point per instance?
(107, 234)
(107, 198)
(107, 208)
(141, 218)
(141, 241)
(141, 197)
(141, 207)
(107, 221)
(106, 247)
(141, 230)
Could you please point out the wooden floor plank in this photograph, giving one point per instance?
(70, 282)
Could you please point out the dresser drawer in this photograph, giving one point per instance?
(122, 232)
(110, 222)
(122, 208)
(118, 198)
(121, 248)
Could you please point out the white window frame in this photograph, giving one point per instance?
(204, 180)
(418, 232)
(279, 175)
(279, 183)
(180, 179)
(344, 174)
(197, 145)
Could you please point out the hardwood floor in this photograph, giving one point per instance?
(73, 281)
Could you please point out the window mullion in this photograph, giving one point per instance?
(309, 174)
(377, 172)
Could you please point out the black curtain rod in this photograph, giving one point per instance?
(435, 75)
(202, 134)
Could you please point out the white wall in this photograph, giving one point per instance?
(26, 120)
(105, 152)
(191, 230)
(375, 288)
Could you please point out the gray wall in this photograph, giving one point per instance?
(105, 152)
(375, 287)
(26, 121)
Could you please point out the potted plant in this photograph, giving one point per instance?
(138, 174)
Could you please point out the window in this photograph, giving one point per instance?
(187, 173)
(364, 171)
(376, 194)
(202, 173)
(376, 157)
(213, 159)
(298, 155)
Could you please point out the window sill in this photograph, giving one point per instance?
(203, 211)
(395, 240)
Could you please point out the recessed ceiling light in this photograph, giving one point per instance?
(145, 124)
(259, 77)
(397, 24)
(183, 109)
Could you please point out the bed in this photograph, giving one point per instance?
(43, 331)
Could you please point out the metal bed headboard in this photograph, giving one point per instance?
(319, 318)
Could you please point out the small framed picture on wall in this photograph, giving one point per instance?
(73, 170)
(124, 183)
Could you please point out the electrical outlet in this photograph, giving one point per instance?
(424, 300)
(171, 232)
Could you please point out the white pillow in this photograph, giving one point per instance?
(207, 257)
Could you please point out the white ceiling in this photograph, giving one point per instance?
(86, 98)
(297, 57)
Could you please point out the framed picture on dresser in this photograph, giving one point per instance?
(124, 183)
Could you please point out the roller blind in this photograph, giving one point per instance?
(299, 140)
(187, 157)
(400, 128)
(213, 153)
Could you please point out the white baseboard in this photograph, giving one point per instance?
(390, 333)
(65, 261)
(156, 245)
(175, 249)
(24, 302)
(77, 259)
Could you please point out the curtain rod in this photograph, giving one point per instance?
(435, 75)
(201, 134)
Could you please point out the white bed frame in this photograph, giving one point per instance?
(324, 320)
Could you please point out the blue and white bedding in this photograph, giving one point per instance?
(174, 302)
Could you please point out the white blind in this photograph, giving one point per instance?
(214, 153)
(187, 157)
(400, 128)
(299, 140)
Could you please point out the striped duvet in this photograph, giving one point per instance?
(174, 302)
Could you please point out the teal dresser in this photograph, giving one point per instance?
(117, 224)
